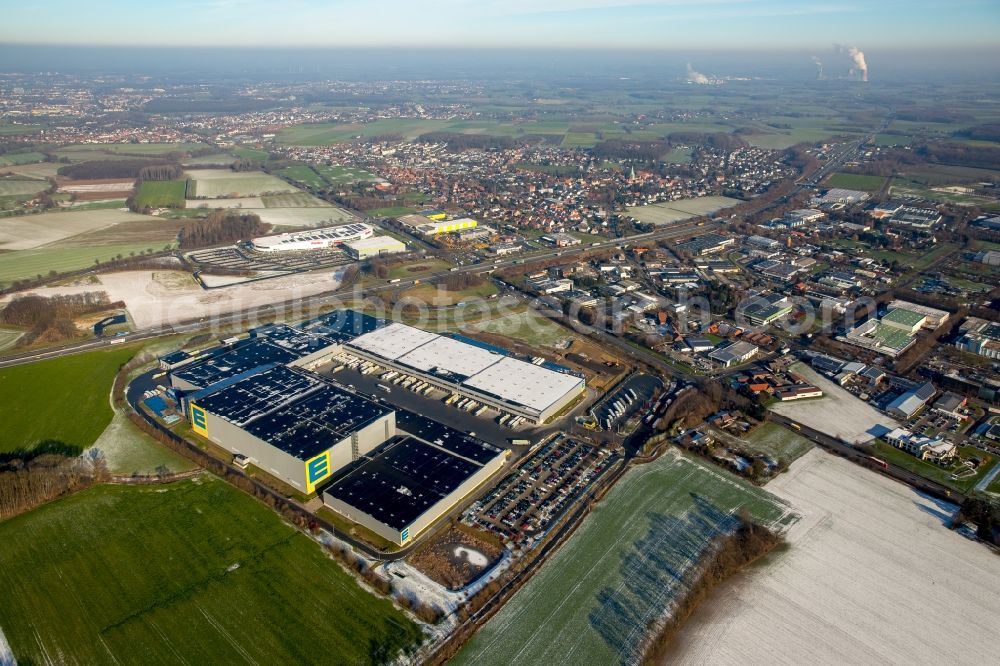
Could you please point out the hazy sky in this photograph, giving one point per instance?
(668, 24)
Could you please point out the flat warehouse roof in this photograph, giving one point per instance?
(523, 383)
(312, 424)
(292, 411)
(401, 481)
(393, 341)
(247, 355)
(253, 396)
(904, 316)
(343, 325)
(445, 437)
(452, 356)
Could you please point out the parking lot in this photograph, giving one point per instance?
(536, 494)
(626, 400)
(239, 258)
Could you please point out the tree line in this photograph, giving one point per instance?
(729, 554)
(51, 318)
(27, 483)
(104, 169)
(166, 171)
(221, 226)
(459, 142)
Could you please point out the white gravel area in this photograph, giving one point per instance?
(872, 576)
(155, 298)
(838, 413)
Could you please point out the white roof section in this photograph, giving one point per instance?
(523, 383)
(447, 354)
(393, 341)
(324, 236)
(376, 242)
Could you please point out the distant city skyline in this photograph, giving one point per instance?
(647, 24)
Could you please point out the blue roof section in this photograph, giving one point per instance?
(482, 345)
(245, 356)
(157, 404)
(555, 367)
(175, 357)
(209, 390)
(343, 325)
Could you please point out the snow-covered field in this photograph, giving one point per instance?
(872, 576)
(30, 231)
(837, 413)
(155, 298)
(622, 569)
(6, 656)
(235, 202)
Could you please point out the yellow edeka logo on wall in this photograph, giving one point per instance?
(199, 420)
(317, 469)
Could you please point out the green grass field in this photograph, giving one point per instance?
(12, 187)
(161, 194)
(135, 148)
(936, 472)
(432, 295)
(320, 134)
(390, 211)
(778, 442)
(29, 157)
(63, 399)
(24, 264)
(339, 175)
(11, 129)
(304, 176)
(579, 140)
(194, 572)
(527, 328)
(622, 568)
(853, 181)
(251, 153)
(418, 268)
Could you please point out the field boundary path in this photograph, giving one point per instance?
(154, 479)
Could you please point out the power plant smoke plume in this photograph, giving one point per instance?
(819, 67)
(696, 77)
(859, 68)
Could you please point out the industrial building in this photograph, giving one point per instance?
(290, 424)
(905, 320)
(734, 354)
(705, 244)
(374, 246)
(278, 344)
(981, 337)
(506, 384)
(391, 470)
(912, 401)
(763, 309)
(934, 316)
(409, 483)
(313, 239)
(882, 338)
(435, 227)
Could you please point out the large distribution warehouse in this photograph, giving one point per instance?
(291, 424)
(394, 471)
(313, 238)
(534, 392)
